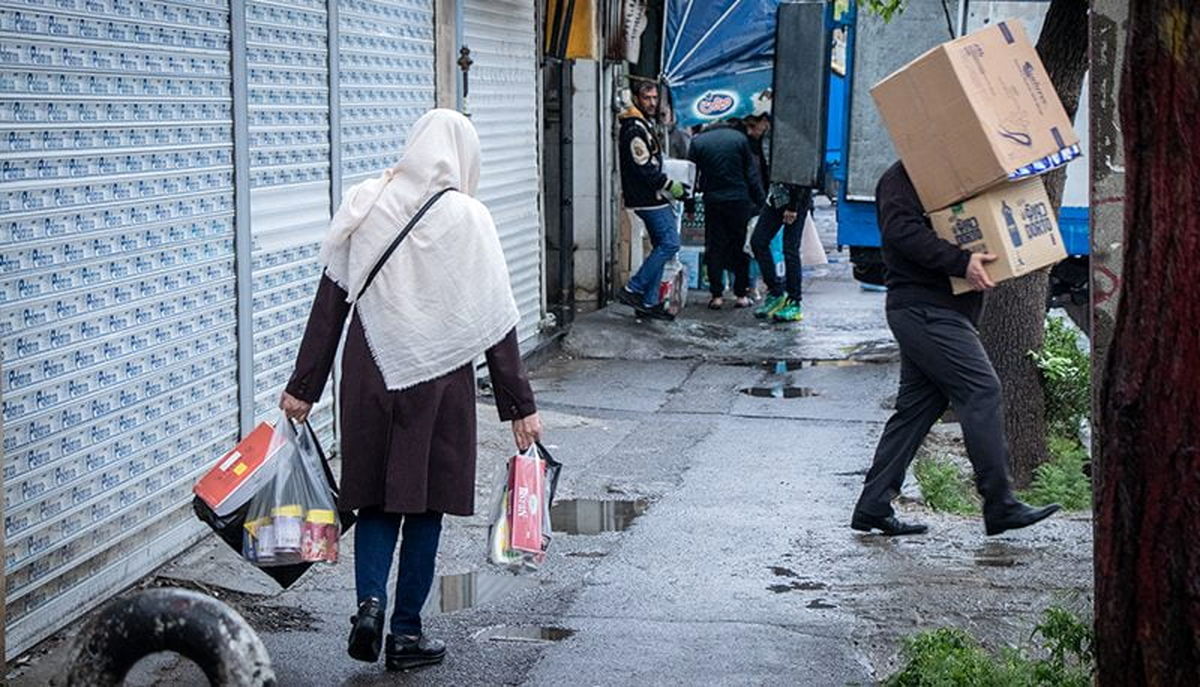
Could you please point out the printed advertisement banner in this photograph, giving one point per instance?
(718, 58)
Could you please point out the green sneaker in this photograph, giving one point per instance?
(792, 311)
(770, 306)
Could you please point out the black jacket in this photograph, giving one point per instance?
(919, 263)
(727, 168)
(641, 162)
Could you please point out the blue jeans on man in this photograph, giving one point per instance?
(664, 237)
(375, 536)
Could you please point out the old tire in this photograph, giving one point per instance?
(193, 625)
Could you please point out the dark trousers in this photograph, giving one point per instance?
(941, 362)
(724, 245)
(769, 222)
(375, 536)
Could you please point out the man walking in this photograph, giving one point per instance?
(941, 362)
(647, 191)
(787, 205)
(728, 173)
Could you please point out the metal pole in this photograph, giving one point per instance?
(335, 108)
(243, 237)
(566, 208)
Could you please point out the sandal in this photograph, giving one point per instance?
(716, 303)
(743, 302)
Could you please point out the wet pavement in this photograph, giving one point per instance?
(700, 532)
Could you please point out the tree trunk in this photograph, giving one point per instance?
(1148, 485)
(1015, 312)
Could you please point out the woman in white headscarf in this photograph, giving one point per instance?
(407, 394)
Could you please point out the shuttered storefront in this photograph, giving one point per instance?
(288, 93)
(386, 58)
(118, 307)
(119, 294)
(503, 102)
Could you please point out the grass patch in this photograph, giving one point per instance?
(948, 657)
(944, 486)
(1062, 479)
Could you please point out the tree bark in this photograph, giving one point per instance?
(1015, 311)
(1148, 485)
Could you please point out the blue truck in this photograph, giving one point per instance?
(858, 150)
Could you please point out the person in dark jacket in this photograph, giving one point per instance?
(942, 362)
(647, 191)
(787, 205)
(729, 175)
(407, 396)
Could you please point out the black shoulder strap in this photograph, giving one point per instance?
(396, 241)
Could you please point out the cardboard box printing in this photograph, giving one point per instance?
(975, 112)
(1014, 221)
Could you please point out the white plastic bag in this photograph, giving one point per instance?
(293, 518)
(534, 474)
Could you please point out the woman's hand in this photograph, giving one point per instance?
(527, 430)
(294, 408)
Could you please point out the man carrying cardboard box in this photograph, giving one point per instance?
(942, 361)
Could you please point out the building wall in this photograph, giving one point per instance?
(167, 172)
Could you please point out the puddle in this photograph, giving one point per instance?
(782, 366)
(590, 516)
(844, 362)
(779, 391)
(452, 593)
(523, 633)
(999, 555)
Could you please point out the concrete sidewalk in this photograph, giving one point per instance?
(738, 566)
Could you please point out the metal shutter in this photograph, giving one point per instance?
(385, 82)
(288, 98)
(503, 102)
(117, 293)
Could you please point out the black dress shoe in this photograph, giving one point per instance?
(366, 633)
(658, 312)
(1017, 516)
(627, 297)
(406, 651)
(890, 526)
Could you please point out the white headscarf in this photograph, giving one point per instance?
(443, 297)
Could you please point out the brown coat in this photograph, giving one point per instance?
(406, 451)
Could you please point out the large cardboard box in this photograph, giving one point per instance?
(1014, 221)
(973, 112)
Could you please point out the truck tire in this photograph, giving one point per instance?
(868, 265)
(194, 625)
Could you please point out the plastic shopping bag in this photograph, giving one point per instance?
(519, 530)
(294, 518)
(319, 528)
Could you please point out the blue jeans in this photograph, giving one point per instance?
(375, 536)
(660, 224)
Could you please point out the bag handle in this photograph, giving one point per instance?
(396, 241)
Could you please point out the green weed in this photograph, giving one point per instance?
(949, 657)
(944, 486)
(1066, 372)
(1062, 480)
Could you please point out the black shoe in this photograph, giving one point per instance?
(366, 635)
(627, 297)
(1017, 516)
(405, 651)
(658, 312)
(890, 526)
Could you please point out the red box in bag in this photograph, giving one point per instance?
(525, 507)
(240, 473)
